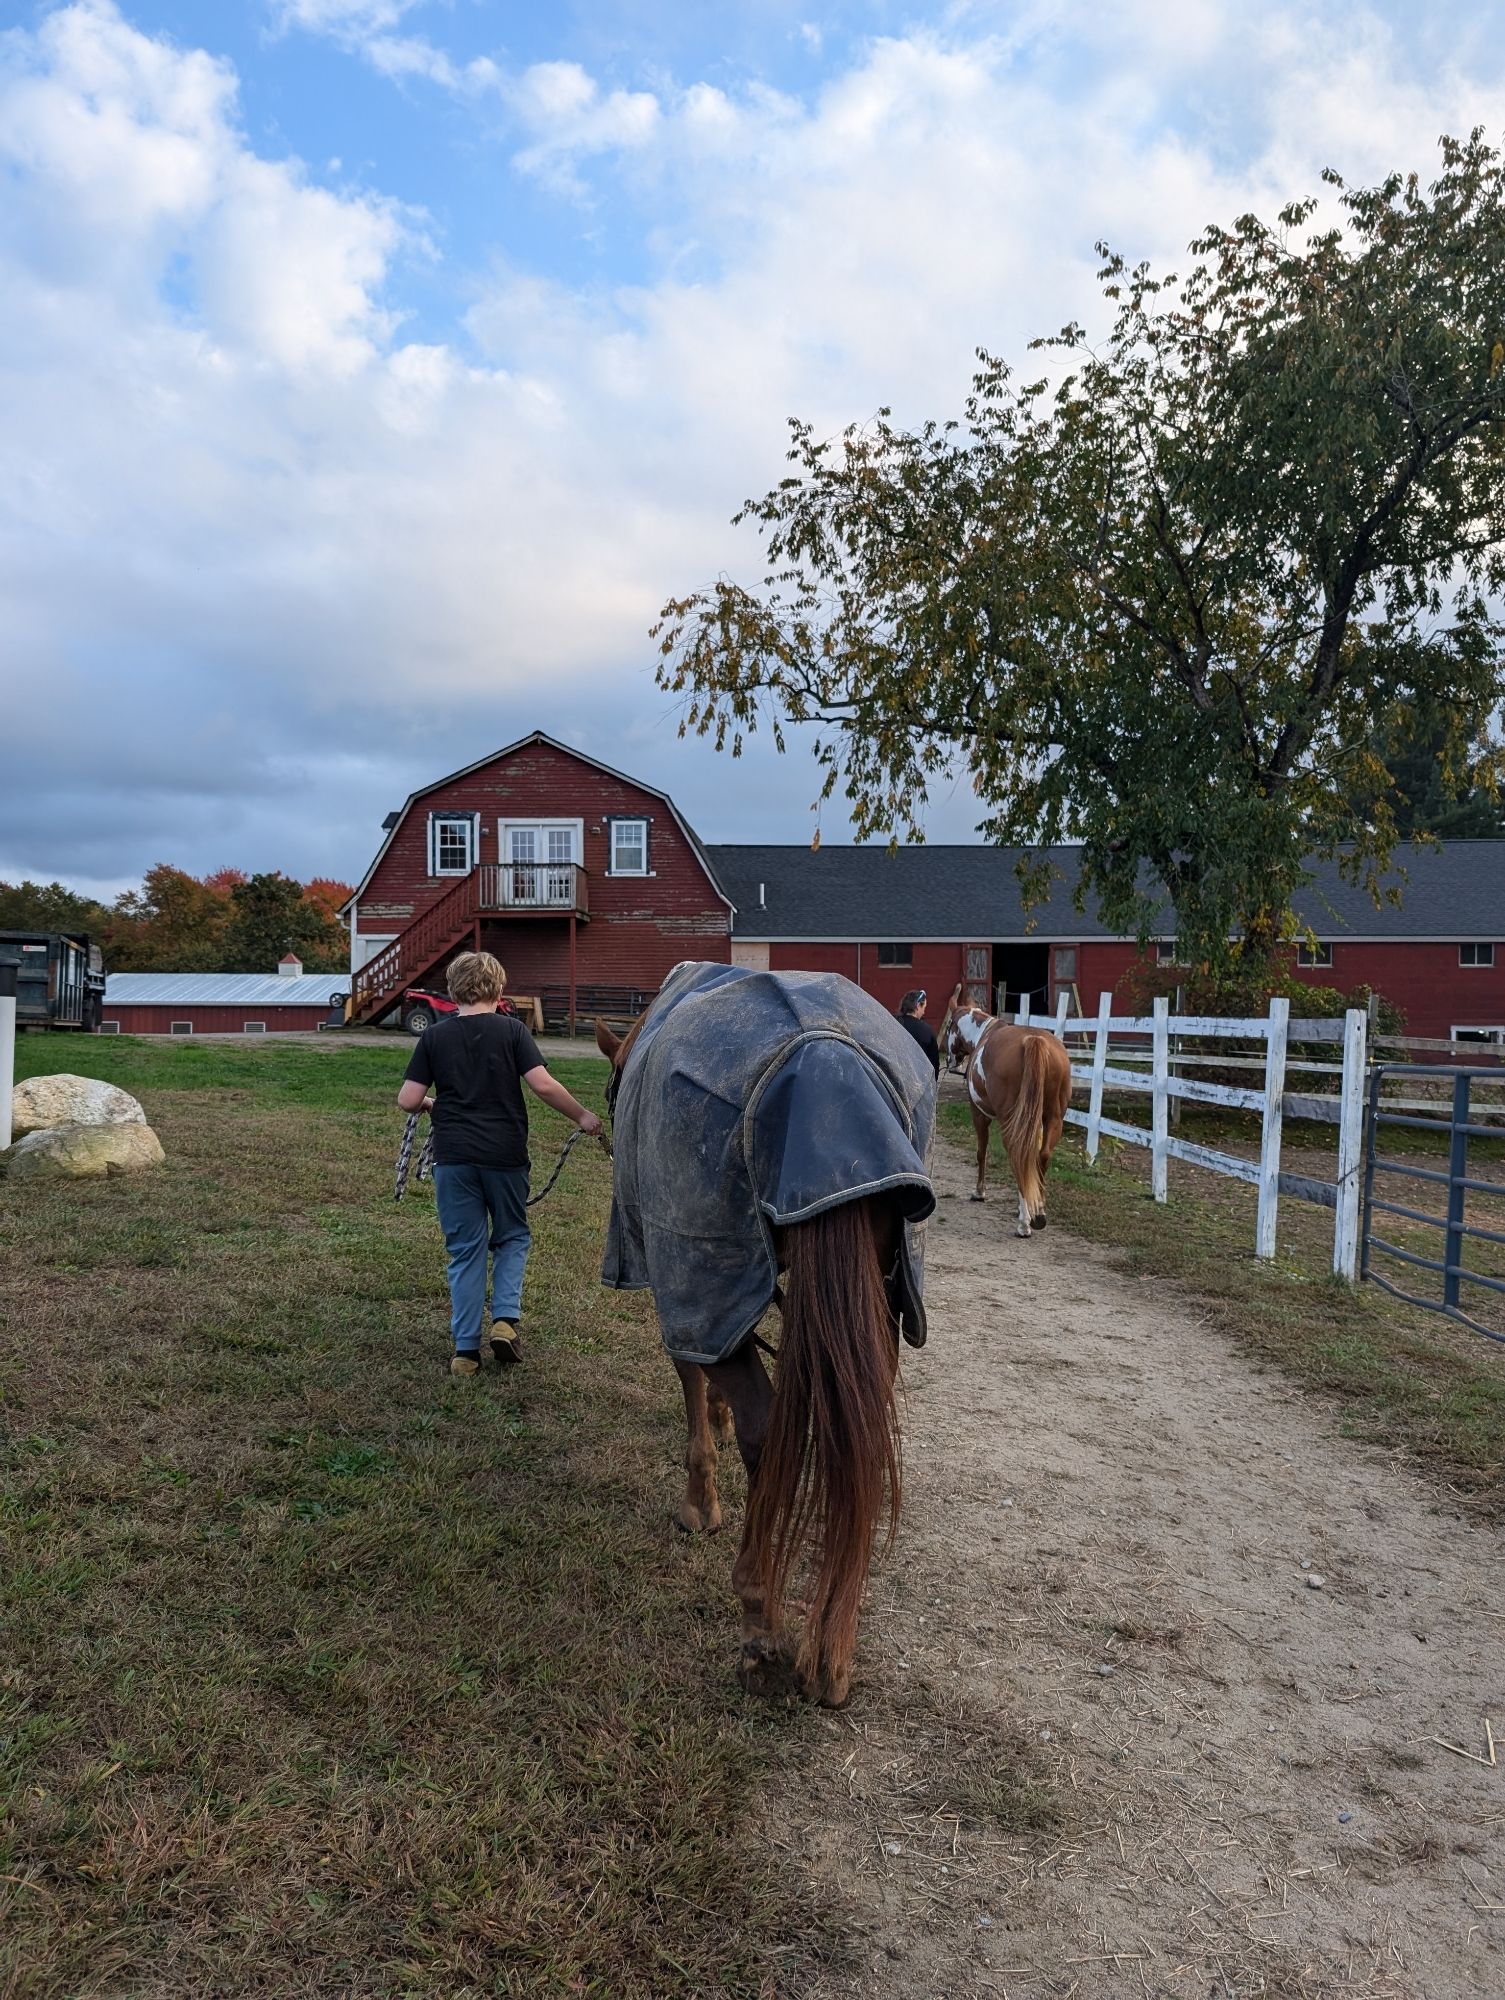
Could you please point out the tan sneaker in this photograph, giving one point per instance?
(506, 1347)
(465, 1364)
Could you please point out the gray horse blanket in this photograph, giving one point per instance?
(751, 1100)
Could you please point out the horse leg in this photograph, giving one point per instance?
(1023, 1167)
(982, 1125)
(699, 1512)
(1050, 1138)
(766, 1663)
(719, 1410)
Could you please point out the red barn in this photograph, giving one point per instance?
(588, 885)
(934, 916)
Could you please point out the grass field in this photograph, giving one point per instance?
(322, 1672)
(1400, 1376)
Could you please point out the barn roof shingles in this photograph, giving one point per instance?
(962, 893)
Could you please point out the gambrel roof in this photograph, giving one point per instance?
(393, 821)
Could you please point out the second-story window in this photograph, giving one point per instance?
(1313, 954)
(1476, 954)
(896, 954)
(629, 847)
(451, 843)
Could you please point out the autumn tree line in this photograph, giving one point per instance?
(227, 921)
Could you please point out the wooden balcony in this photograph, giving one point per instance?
(531, 889)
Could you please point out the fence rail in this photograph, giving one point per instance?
(1277, 1031)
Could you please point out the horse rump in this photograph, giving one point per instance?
(830, 1461)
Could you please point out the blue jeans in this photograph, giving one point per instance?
(483, 1208)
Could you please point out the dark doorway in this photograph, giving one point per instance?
(1021, 972)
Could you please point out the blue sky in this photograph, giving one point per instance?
(371, 372)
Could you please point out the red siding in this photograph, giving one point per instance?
(213, 1020)
(639, 926)
(936, 967)
(1425, 981)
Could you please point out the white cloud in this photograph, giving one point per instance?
(262, 550)
(354, 18)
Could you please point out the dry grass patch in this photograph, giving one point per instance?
(322, 1672)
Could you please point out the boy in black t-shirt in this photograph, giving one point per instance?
(475, 1062)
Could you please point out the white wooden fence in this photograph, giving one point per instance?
(1271, 1100)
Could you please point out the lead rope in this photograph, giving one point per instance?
(425, 1169)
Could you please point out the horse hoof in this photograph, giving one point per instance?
(828, 1693)
(1023, 1230)
(977, 1197)
(766, 1669)
(696, 1521)
(1038, 1222)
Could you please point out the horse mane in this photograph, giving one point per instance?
(832, 1450)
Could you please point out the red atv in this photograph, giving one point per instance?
(421, 1008)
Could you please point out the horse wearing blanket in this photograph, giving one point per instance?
(770, 1125)
(1020, 1078)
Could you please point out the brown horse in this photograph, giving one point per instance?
(821, 1442)
(1020, 1077)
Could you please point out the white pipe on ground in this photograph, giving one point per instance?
(7, 1049)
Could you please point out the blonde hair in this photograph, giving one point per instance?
(475, 977)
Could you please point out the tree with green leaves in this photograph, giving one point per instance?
(270, 915)
(48, 906)
(1161, 599)
(1435, 787)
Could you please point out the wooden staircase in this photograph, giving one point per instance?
(413, 953)
(512, 889)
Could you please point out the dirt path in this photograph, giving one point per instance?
(1112, 1737)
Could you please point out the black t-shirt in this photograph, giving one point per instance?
(474, 1063)
(924, 1034)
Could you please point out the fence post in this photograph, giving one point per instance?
(1099, 1064)
(1021, 1019)
(1269, 1136)
(1452, 1286)
(1350, 1145)
(1160, 1100)
(1063, 1001)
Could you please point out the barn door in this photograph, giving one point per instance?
(976, 979)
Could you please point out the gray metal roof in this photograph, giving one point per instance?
(972, 894)
(223, 989)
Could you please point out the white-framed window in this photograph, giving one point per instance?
(1308, 953)
(896, 955)
(1476, 954)
(528, 841)
(1165, 952)
(253, 1027)
(109, 1027)
(629, 847)
(1495, 1037)
(452, 843)
(180, 1027)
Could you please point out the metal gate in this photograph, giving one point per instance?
(1453, 1121)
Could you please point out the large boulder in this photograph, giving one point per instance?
(45, 1101)
(84, 1152)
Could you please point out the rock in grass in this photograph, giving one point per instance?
(84, 1152)
(44, 1101)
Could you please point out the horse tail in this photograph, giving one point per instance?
(1025, 1121)
(832, 1450)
